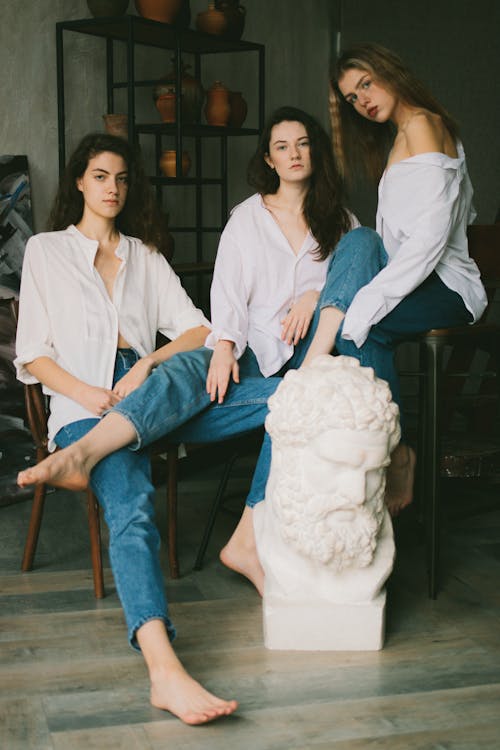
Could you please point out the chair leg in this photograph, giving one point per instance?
(213, 512)
(34, 527)
(172, 465)
(95, 544)
(433, 464)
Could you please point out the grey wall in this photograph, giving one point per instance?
(28, 123)
(451, 45)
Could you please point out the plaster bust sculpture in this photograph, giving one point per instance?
(324, 536)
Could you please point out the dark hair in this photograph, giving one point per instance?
(140, 217)
(323, 208)
(359, 144)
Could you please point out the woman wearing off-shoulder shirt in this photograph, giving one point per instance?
(416, 273)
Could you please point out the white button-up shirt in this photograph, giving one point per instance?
(66, 312)
(257, 277)
(424, 207)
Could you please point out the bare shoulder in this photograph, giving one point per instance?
(425, 132)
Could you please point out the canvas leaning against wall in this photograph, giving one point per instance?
(16, 225)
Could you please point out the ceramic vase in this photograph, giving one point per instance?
(235, 17)
(239, 109)
(103, 8)
(165, 104)
(115, 124)
(159, 10)
(168, 163)
(212, 21)
(191, 90)
(217, 108)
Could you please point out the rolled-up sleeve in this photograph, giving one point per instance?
(228, 295)
(34, 338)
(177, 313)
(421, 204)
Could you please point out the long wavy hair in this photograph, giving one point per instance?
(323, 207)
(140, 216)
(360, 145)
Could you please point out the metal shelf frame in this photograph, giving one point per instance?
(134, 30)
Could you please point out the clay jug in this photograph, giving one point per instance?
(168, 165)
(212, 21)
(165, 104)
(191, 90)
(116, 125)
(159, 10)
(217, 108)
(239, 109)
(235, 16)
(100, 8)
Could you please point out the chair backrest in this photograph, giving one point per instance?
(36, 406)
(484, 247)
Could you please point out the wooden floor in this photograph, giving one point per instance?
(68, 679)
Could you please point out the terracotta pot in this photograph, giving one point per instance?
(217, 108)
(100, 8)
(168, 165)
(191, 89)
(239, 109)
(165, 104)
(159, 10)
(116, 125)
(212, 21)
(235, 16)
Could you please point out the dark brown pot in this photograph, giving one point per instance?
(192, 93)
(103, 8)
(239, 109)
(212, 21)
(235, 16)
(159, 10)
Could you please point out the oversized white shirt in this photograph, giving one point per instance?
(424, 207)
(257, 278)
(67, 314)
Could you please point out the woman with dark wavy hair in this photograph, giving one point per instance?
(415, 273)
(94, 292)
(269, 278)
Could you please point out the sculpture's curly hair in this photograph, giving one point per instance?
(346, 397)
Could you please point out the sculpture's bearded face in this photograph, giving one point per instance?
(330, 495)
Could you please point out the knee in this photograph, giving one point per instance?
(362, 242)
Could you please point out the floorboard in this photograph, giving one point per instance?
(68, 679)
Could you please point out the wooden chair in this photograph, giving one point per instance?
(225, 453)
(443, 390)
(36, 413)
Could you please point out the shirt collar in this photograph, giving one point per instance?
(90, 246)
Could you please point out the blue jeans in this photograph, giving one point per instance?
(358, 258)
(173, 393)
(122, 483)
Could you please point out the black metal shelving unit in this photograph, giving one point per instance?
(132, 31)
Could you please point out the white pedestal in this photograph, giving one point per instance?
(324, 626)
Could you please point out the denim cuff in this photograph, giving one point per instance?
(333, 303)
(171, 631)
(137, 444)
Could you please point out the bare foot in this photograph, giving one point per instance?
(245, 562)
(240, 553)
(180, 694)
(399, 479)
(64, 468)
